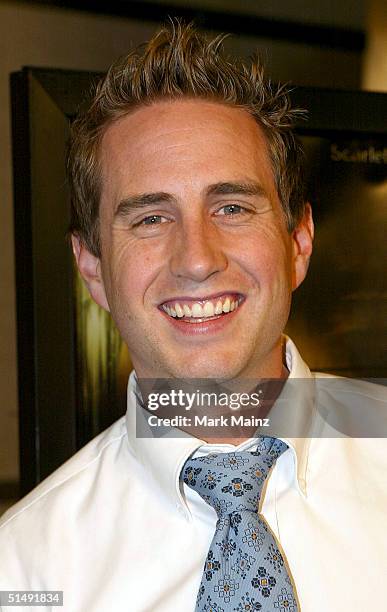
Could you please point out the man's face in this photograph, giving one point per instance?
(191, 224)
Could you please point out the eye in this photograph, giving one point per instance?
(231, 210)
(151, 220)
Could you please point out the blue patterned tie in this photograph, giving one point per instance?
(244, 570)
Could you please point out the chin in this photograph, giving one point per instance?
(206, 369)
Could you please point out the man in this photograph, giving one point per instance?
(190, 226)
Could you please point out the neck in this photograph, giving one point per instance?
(222, 428)
(272, 391)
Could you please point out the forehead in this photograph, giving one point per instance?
(185, 142)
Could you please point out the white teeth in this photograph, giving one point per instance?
(187, 311)
(197, 310)
(208, 309)
(179, 310)
(218, 307)
(226, 305)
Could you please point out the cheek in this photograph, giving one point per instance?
(267, 259)
(132, 272)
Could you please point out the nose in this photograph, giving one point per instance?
(198, 251)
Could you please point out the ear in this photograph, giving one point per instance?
(302, 240)
(89, 267)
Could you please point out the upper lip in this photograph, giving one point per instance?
(200, 298)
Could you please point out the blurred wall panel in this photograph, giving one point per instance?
(375, 57)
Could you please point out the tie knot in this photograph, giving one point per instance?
(231, 482)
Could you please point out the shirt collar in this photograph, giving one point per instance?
(300, 394)
(163, 458)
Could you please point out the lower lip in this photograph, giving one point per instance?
(205, 327)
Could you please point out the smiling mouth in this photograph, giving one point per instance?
(202, 310)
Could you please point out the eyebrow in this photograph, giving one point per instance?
(144, 200)
(250, 188)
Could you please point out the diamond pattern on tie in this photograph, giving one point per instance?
(244, 569)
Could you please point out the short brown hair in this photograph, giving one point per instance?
(180, 62)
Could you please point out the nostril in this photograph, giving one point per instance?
(197, 257)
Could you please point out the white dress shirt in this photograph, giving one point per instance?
(115, 529)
